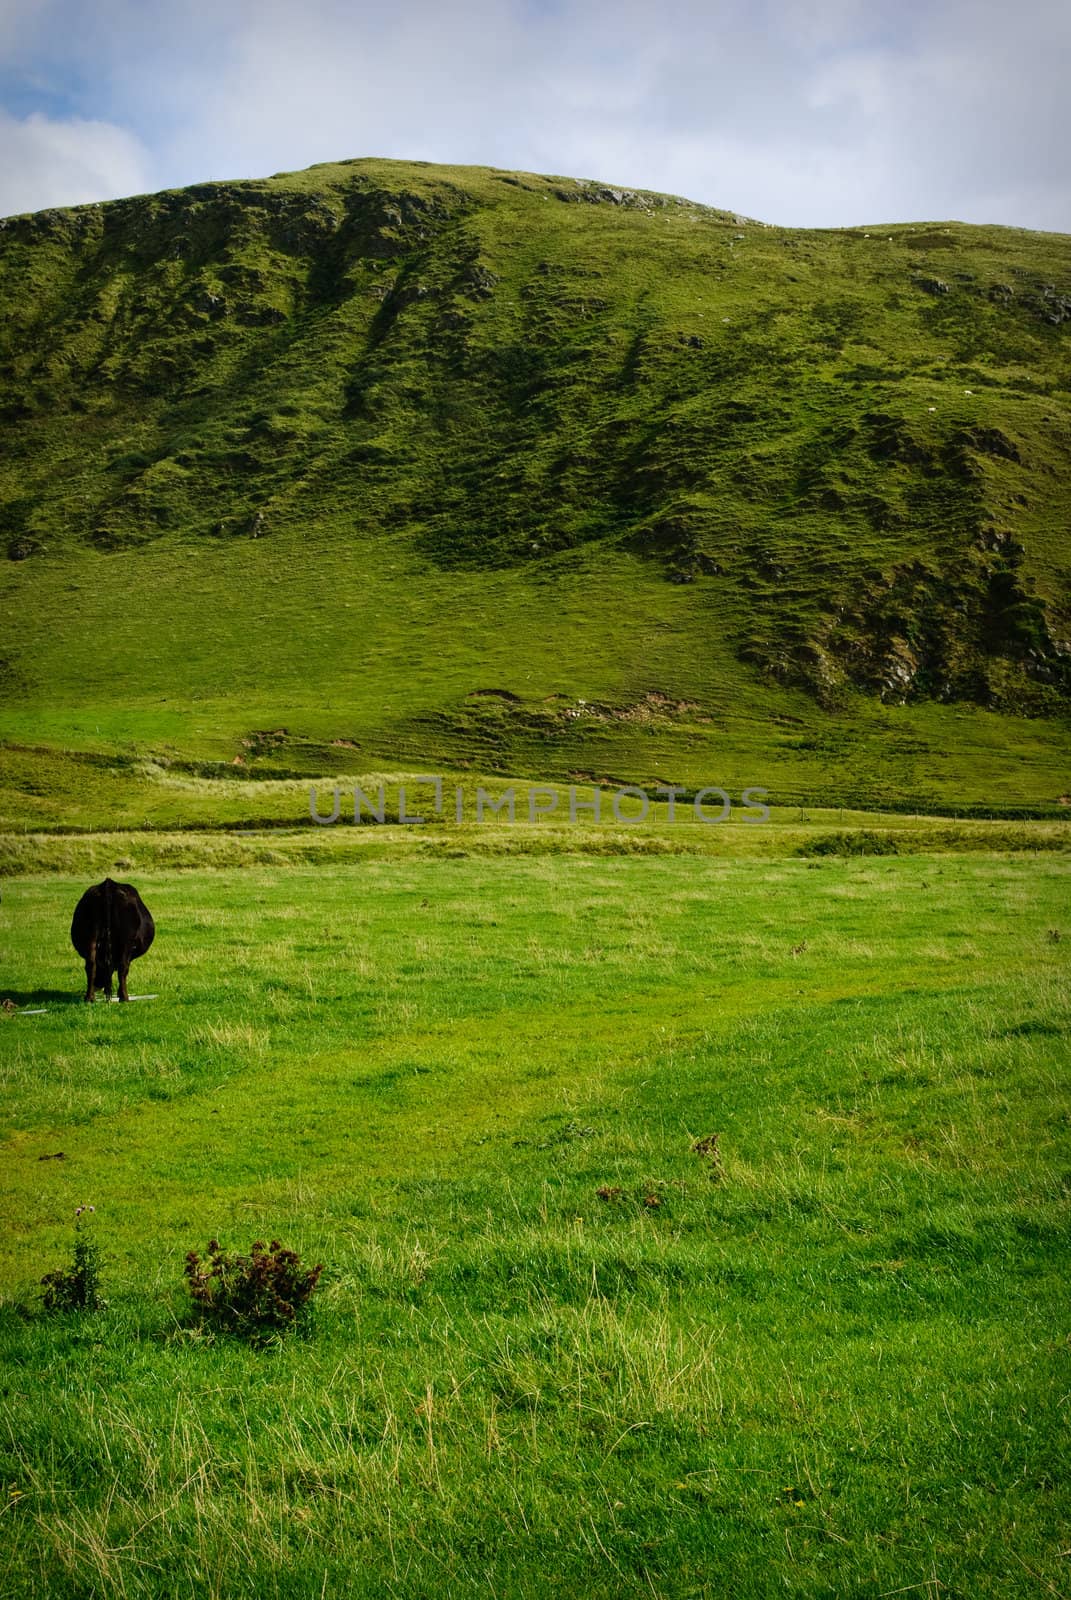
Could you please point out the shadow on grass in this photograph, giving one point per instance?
(40, 997)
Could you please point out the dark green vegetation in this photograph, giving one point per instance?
(257, 1297)
(829, 1361)
(472, 468)
(77, 1287)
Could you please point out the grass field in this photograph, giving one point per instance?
(384, 469)
(835, 1365)
(278, 658)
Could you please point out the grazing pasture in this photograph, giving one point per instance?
(555, 1350)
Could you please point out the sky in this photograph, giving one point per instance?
(814, 113)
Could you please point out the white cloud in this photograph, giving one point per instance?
(837, 111)
(49, 162)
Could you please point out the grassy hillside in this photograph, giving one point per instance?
(475, 469)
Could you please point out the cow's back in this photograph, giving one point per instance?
(115, 916)
(88, 919)
(137, 919)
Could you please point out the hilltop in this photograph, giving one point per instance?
(390, 462)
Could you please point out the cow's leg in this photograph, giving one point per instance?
(124, 968)
(91, 971)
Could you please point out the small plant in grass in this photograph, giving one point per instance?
(257, 1296)
(707, 1150)
(77, 1287)
(651, 1195)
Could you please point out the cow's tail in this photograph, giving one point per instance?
(104, 935)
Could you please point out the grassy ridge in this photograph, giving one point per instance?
(835, 1370)
(467, 466)
(816, 834)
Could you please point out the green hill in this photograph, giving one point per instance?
(389, 463)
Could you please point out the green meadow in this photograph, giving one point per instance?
(555, 1350)
(692, 1197)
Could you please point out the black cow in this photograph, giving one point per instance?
(111, 927)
